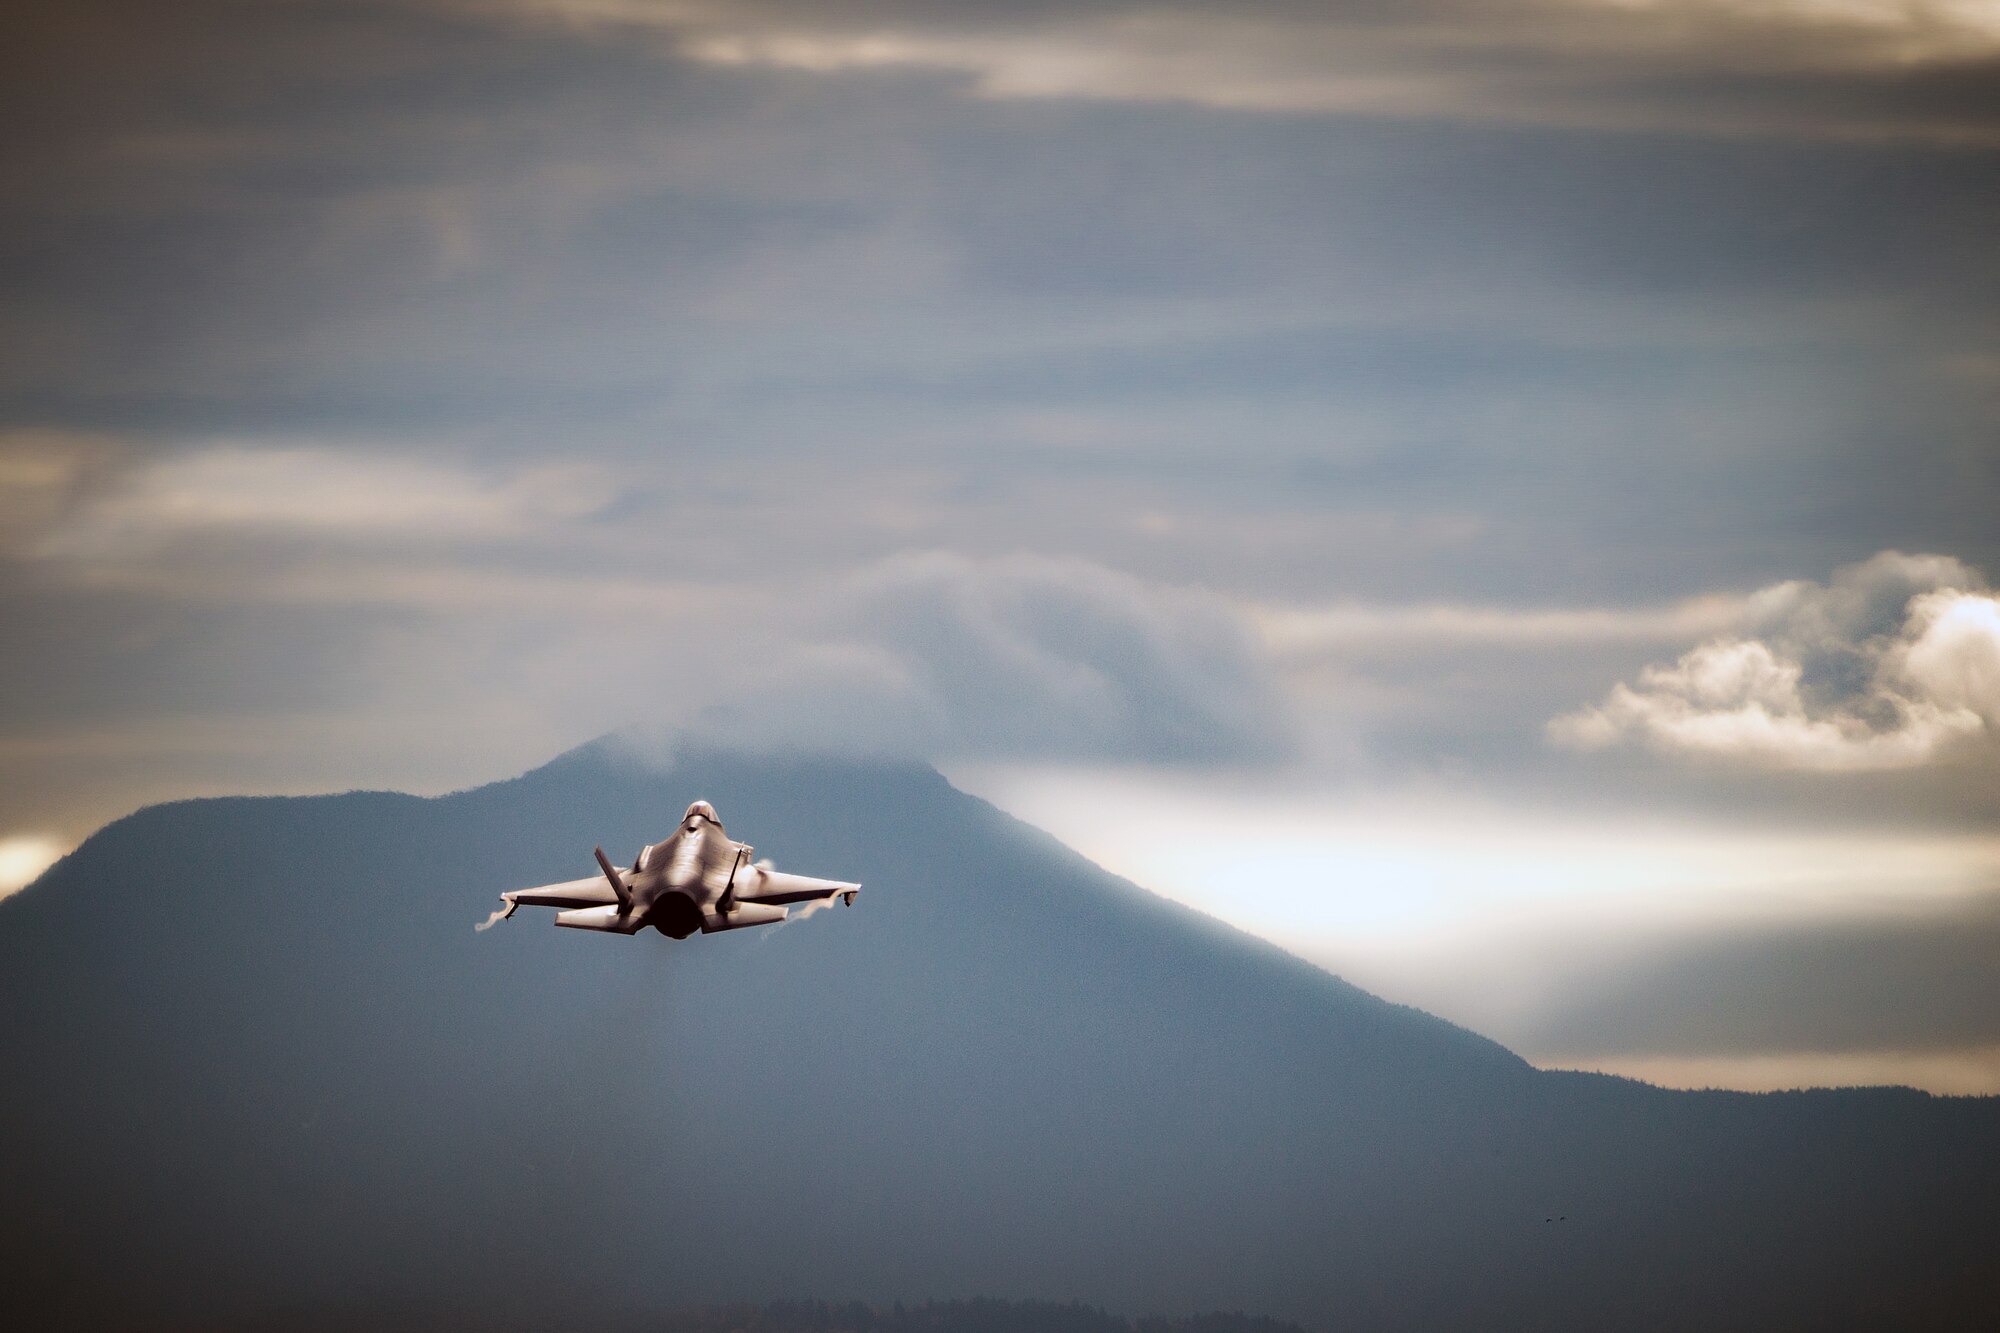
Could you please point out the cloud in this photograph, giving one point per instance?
(1883, 668)
(1856, 68)
(42, 472)
(806, 320)
(1305, 630)
(319, 493)
(1021, 656)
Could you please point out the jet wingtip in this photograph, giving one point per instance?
(494, 918)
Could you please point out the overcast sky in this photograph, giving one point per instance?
(1522, 475)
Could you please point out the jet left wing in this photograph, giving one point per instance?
(757, 884)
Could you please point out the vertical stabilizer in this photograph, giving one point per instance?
(618, 885)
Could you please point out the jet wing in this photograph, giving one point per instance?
(592, 892)
(755, 884)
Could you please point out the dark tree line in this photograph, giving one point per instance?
(964, 1316)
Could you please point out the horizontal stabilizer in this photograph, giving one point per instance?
(746, 914)
(608, 918)
(760, 885)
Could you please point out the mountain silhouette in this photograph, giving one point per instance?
(261, 1070)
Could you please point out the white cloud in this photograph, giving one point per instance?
(317, 492)
(1883, 668)
(1955, 656)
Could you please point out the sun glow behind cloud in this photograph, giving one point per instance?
(1401, 871)
(1501, 917)
(1974, 1072)
(23, 858)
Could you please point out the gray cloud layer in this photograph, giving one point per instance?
(1866, 69)
(384, 388)
(1021, 658)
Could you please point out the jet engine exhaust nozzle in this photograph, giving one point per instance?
(675, 915)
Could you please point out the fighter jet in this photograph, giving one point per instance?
(697, 879)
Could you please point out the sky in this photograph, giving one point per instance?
(1498, 498)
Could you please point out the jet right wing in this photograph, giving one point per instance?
(610, 891)
(592, 892)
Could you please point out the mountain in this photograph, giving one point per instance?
(261, 1070)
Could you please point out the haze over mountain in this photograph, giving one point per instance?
(259, 1064)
